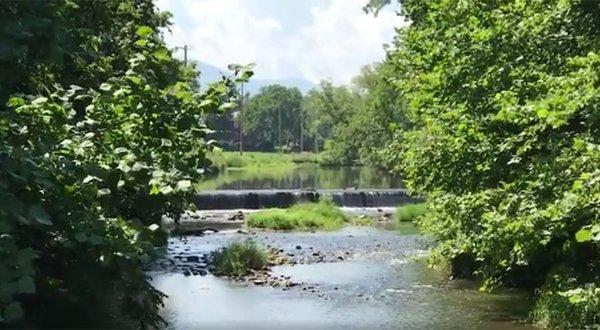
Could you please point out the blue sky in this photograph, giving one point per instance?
(309, 39)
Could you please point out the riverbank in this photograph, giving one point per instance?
(256, 159)
(207, 221)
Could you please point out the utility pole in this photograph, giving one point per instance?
(240, 131)
(185, 49)
(301, 131)
(279, 120)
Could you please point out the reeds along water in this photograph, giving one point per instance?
(255, 199)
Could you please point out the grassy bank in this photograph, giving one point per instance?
(254, 159)
(304, 216)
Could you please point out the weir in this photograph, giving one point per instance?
(264, 198)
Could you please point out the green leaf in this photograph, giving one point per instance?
(40, 215)
(135, 79)
(138, 166)
(583, 235)
(141, 42)
(105, 87)
(154, 190)
(103, 191)
(162, 54)
(184, 185)
(166, 190)
(90, 178)
(144, 31)
(166, 143)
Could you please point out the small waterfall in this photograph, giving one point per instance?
(265, 198)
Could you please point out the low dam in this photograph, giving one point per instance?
(264, 198)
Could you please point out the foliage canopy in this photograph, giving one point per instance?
(101, 134)
(505, 139)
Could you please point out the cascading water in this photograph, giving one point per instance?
(255, 199)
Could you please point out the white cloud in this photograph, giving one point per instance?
(334, 40)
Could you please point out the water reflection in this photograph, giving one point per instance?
(308, 176)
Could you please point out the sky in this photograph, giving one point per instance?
(307, 39)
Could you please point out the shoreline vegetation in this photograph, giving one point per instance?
(489, 110)
(252, 160)
(322, 215)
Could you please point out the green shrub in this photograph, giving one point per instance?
(410, 212)
(504, 144)
(563, 303)
(362, 220)
(250, 160)
(238, 259)
(101, 136)
(303, 216)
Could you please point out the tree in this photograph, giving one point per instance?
(354, 122)
(327, 107)
(271, 118)
(101, 135)
(505, 142)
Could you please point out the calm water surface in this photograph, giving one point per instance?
(307, 176)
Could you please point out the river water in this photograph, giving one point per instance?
(371, 277)
(305, 176)
(381, 282)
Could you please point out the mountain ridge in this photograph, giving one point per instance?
(210, 73)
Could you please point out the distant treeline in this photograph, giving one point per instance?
(344, 123)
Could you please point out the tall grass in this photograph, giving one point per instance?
(410, 212)
(238, 259)
(252, 159)
(303, 216)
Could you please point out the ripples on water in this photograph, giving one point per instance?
(376, 288)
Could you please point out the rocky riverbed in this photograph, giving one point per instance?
(188, 257)
(356, 277)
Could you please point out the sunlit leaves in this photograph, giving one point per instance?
(100, 138)
(588, 233)
(144, 31)
(503, 98)
(184, 185)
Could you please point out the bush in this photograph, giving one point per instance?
(504, 143)
(253, 160)
(238, 259)
(565, 304)
(304, 216)
(362, 220)
(101, 135)
(410, 212)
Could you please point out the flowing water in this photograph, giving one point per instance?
(264, 198)
(379, 284)
(368, 278)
